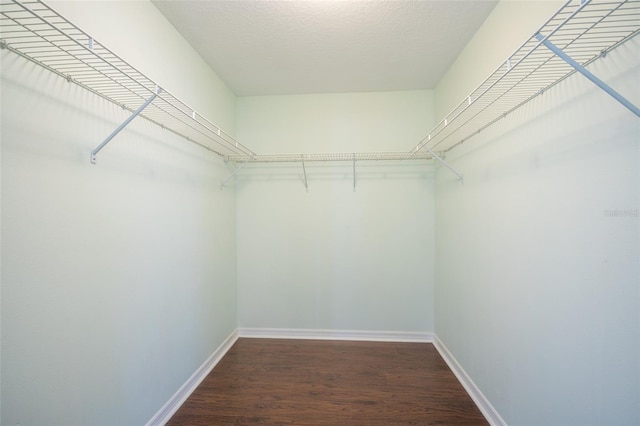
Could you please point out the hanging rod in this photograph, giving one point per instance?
(584, 30)
(36, 32)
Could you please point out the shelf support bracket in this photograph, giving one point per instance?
(304, 171)
(124, 124)
(582, 70)
(354, 172)
(224, 182)
(444, 163)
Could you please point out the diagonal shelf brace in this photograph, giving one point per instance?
(124, 124)
(582, 70)
(224, 182)
(304, 171)
(444, 163)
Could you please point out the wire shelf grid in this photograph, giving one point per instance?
(36, 32)
(585, 30)
(333, 157)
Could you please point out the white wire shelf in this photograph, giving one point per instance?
(585, 30)
(36, 32)
(332, 157)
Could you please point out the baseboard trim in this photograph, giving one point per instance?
(170, 407)
(319, 334)
(485, 407)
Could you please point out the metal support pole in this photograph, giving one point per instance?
(224, 182)
(604, 86)
(354, 172)
(444, 163)
(123, 125)
(304, 171)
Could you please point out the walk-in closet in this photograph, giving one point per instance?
(320, 212)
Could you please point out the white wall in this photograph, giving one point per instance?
(118, 279)
(332, 258)
(537, 285)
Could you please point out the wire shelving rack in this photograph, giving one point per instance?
(36, 32)
(583, 30)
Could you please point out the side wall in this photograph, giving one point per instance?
(333, 258)
(538, 273)
(510, 23)
(118, 279)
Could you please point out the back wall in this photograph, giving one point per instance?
(334, 258)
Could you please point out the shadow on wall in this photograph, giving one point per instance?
(83, 120)
(555, 144)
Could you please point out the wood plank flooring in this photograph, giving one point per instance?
(320, 382)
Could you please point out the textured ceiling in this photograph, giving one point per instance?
(293, 47)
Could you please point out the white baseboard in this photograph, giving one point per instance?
(174, 403)
(485, 407)
(170, 407)
(372, 336)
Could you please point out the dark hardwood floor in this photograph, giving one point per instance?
(320, 382)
